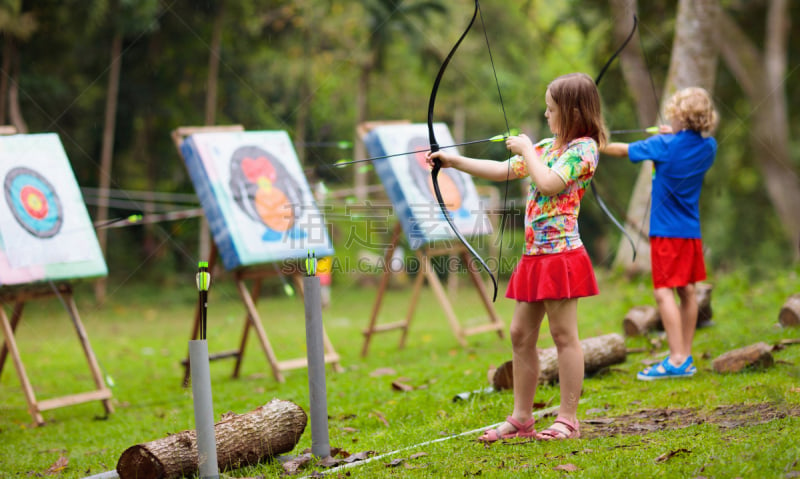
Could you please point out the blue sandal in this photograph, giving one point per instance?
(665, 370)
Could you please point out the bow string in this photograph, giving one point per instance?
(434, 144)
(597, 196)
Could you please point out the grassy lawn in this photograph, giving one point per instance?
(712, 425)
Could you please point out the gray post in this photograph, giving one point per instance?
(203, 409)
(315, 350)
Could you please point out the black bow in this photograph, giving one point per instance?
(437, 164)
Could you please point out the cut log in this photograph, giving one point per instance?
(502, 377)
(242, 439)
(598, 352)
(703, 295)
(790, 312)
(759, 354)
(640, 320)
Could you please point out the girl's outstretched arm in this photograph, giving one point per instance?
(487, 169)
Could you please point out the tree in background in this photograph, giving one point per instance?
(388, 21)
(762, 76)
(15, 26)
(125, 17)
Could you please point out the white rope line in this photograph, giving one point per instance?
(537, 414)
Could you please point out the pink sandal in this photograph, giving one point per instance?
(550, 434)
(521, 430)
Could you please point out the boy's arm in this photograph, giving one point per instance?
(615, 149)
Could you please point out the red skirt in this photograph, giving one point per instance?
(553, 276)
(676, 261)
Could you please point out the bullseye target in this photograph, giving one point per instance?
(33, 202)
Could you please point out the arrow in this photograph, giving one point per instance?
(494, 139)
(653, 130)
(342, 145)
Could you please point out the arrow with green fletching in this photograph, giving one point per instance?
(494, 139)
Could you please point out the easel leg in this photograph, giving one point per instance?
(255, 321)
(94, 366)
(376, 307)
(18, 307)
(11, 344)
(438, 290)
(255, 293)
(478, 282)
(412, 306)
(297, 278)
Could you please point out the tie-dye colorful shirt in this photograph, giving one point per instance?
(551, 222)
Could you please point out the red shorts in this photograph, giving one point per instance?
(676, 262)
(553, 276)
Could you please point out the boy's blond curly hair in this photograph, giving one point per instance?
(694, 109)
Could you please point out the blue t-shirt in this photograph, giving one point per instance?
(681, 161)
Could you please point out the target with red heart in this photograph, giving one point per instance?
(33, 202)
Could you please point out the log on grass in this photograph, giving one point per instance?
(242, 439)
(759, 355)
(790, 312)
(598, 352)
(642, 319)
(703, 295)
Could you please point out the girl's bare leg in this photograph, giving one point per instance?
(563, 319)
(524, 334)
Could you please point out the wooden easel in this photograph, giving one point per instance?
(427, 273)
(249, 298)
(19, 297)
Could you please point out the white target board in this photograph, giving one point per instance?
(257, 200)
(45, 231)
(409, 186)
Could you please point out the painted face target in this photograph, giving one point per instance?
(264, 189)
(33, 202)
(450, 185)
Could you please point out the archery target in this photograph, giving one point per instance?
(45, 231)
(259, 205)
(33, 202)
(409, 186)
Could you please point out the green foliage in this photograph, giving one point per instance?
(291, 64)
(140, 336)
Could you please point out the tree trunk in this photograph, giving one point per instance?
(241, 440)
(213, 65)
(640, 82)
(598, 352)
(214, 57)
(359, 152)
(14, 109)
(306, 95)
(8, 48)
(762, 77)
(635, 69)
(693, 63)
(107, 153)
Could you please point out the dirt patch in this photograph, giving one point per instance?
(650, 420)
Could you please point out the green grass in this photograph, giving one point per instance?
(141, 335)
